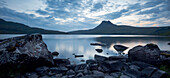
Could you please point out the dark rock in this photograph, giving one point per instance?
(99, 58)
(61, 62)
(148, 71)
(93, 66)
(117, 57)
(79, 56)
(134, 67)
(31, 75)
(159, 74)
(134, 73)
(97, 44)
(90, 61)
(113, 66)
(80, 67)
(125, 76)
(70, 72)
(114, 75)
(142, 65)
(99, 50)
(46, 76)
(24, 53)
(120, 48)
(82, 60)
(98, 73)
(92, 76)
(71, 66)
(79, 75)
(149, 53)
(58, 70)
(42, 70)
(55, 53)
(168, 43)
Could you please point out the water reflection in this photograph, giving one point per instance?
(66, 45)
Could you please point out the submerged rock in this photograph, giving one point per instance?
(149, 53)
(97, 44)
(99, 50)
(25, 52)
(78, 56)
(120, 48)
(55, 53)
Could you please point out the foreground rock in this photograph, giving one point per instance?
(24, 52)
(120, 48)
(149, 53)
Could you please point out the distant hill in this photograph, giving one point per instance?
(7, 27)
(106, 27)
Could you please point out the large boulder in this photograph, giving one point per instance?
(149, 53)
(24, 52)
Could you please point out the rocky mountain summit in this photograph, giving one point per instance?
(28, 56)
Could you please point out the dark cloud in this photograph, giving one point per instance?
(115, 15)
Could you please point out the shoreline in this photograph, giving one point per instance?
(44, 66)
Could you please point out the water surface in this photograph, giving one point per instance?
(67, 45)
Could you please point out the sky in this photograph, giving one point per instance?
(70, 15)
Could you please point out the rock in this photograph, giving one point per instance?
(149, 71)
(61, 62)
(117, 57)
(58, 76)
(31, 75)
(55, 53)
(70, 72)
(97, 44)
(159, 74)
(78, 56)
(99, 58)
(90, 61)
(93, 66)
(142, 65)
(71, 66)
(124, 76)
(87, 72)
(168, 43)
(134, 67)
(58, 70)
(165, 57)
(79, 75)
(114, 75)
(82, 60)
(134, 73)
(42, 70)
(113, 66)
(46, 76)
(120, 48)
(92, 76)
(99, 50)
(109, 77)
(149, 53)
(80, 67)
(25, 52)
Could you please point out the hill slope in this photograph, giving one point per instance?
(18, 28)
(106, 27)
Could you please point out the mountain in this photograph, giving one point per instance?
(106, 27)
(7, 27)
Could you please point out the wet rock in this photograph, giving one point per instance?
(114, 75)
(93, 66)
(97, 44)
(55, 53)
(124, 76)
(99, 50)
(168, 43)
(25, 52)
(134, 73)
(31, 75)
(58, 76)
(117, 57)
(70, 72)
(90, 61)
(71, 66)
(142, 65)
(46, 76)
(87, 72)
(113, 66)
(134, 67)
(79, 75)
(99, 58)
(78, 56)
(109, 77)
(149, 53)
(159, 74)
(58, 70)
(80, 67)
(120, 48)
(61, 62)
(82, 60)
(42, 70)
(148, 71)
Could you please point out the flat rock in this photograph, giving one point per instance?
(99, 58)
(61, 62)
(148, 71)
(159, 74)
(117, 57)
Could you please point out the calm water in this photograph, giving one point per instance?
(66, 45)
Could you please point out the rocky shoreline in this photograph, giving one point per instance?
(28, 57)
